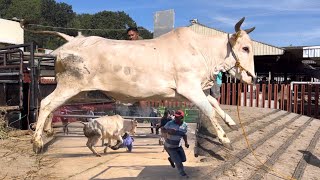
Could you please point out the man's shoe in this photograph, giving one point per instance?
(171, 162)
(184, 174)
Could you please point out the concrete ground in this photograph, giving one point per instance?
(146, 161)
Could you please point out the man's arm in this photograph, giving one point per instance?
(185, 138)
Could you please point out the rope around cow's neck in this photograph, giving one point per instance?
(240, 68)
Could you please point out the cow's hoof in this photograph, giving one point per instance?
(98, 155)
(37, 146)
(105, 150)
(228, 146)
(114, 147)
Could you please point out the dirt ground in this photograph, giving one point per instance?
(69, 158)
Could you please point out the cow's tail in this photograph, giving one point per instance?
(23, 23)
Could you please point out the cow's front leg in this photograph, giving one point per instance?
(48, 105)
(197, 96)
(227, 119)
(92, 141)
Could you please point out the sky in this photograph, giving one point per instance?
(278, 22)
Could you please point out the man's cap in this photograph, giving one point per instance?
(179, 113)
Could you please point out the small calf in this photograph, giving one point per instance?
(108, 127)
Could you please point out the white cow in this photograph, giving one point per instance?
(108, 127)
(177, 65)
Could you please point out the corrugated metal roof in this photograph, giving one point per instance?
(259, 48)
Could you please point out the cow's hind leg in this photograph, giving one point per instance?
(227, 119)
(198, 97)
(59, 96)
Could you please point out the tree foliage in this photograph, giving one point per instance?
(55, 16)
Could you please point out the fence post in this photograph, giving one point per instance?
(316, 103)
(228, 94)
(309, 99)
(303, 89)
(245, 94)
(257, 94)
(295, 99)
(263, 94)
(239, 94)
(234, 96)
(275, 96)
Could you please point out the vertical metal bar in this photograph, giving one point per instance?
(33, 86)
(21, 81)
(257, 94)
(263, 94)
(316, 103)
(251, 95)
(295, 99)
(303, 89)
(228, 94)
(234, 96)
(275, 96)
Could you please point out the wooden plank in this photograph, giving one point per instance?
(282, 149)
(216, 149)
(300, 168)
(243, 153)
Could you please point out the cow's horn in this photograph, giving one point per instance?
(249, 30)
(237, 26)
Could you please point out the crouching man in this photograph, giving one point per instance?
(176, 130)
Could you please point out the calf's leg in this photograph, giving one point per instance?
(92, 141)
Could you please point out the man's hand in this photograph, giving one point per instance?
(186, 145)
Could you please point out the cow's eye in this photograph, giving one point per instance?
(246, 49)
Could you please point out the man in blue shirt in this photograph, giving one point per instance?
(176, 130)
(215, 89)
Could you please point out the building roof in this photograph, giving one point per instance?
(259, 48)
